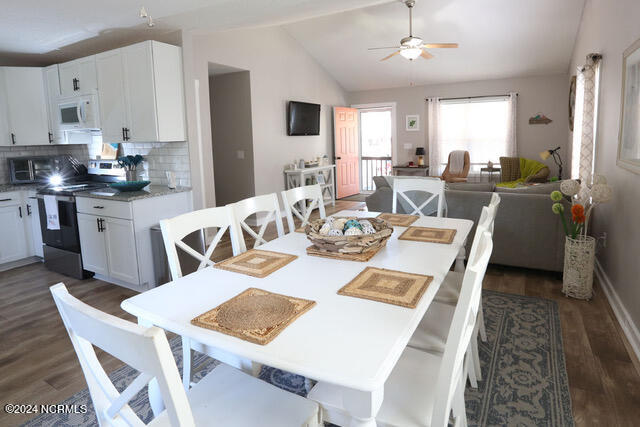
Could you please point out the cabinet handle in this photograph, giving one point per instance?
(76, 84)
(50, 138)
(5, 200)
(28, 209)
(20, 211)
(126, 134)
(98, 207)
(13, 138)
(101, 224)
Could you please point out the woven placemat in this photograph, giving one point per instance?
(362, 257)
(388, 286)
(255, 315)
(256, 262)
(429, 235)
(398, 220)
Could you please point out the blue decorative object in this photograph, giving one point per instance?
(129, 185)
(352, 223)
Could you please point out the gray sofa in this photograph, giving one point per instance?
(527, 234)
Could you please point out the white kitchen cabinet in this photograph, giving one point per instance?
(5, 135)
(121, 250)
(12, 233)
(78, 76)
(34, 232)
(26, 105)
(93, 244)
(52, 92)
(143, 100)
(113, 116)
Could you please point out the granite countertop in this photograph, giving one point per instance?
(129, 196)
(5, 188)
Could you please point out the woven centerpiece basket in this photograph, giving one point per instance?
(350, 244)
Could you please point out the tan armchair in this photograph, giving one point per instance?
(460, 176)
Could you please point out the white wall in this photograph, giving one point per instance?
(609, 29)
(280, 70)
(546, 94)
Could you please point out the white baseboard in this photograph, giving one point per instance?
(624, 319)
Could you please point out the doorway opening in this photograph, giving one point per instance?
(231, 133)
(377, 142)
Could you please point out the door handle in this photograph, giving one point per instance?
(28, 209)
(50, 138)
(338, 158)
(20, 211)
(76, 84)
(13, 138)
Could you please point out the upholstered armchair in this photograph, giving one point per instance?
(450, 175)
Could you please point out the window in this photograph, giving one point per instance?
(375, 145)
(480, 126)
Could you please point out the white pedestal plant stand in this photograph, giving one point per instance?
(579, 256)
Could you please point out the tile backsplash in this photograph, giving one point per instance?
(159, 157)
(80, 152)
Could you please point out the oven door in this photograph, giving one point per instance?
(67, 237)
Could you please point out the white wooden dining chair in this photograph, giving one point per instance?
(243, 209)
(176, 229)
(300, 195)
(225, 397)
(424, 388)
(433, 186)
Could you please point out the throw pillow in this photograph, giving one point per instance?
(509, 168)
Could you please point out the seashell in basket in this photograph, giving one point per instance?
(338, 223)
(353, 231)
(347, 244)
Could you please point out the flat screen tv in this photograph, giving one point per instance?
(303, 118)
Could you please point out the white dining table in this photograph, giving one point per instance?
(350, 343)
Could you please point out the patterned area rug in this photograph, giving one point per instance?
(524, 375)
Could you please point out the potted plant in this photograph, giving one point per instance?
(579, 250)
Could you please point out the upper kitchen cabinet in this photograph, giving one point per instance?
(26, 106)
(52, 92)
(78, 76)
(141, 93)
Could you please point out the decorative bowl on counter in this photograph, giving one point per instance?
(129, 185)
(323, 233)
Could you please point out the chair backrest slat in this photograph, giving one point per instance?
(451, 374)
(300, 195)
(177, 228)
(245, 208)
(144, 349)
(433, 186)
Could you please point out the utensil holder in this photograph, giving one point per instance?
(131, 175)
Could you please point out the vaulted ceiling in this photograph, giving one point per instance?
(497, 38)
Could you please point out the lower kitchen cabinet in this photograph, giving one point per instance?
(115, 236)
(12, 234)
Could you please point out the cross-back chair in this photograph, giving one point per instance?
(434, 186)
(300, 195)
(225, 397)
(243, 209)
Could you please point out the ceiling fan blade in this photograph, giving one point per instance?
(440, 45)
(426, 55)
(389, 56)
(388, 47)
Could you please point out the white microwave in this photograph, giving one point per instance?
(78, 112)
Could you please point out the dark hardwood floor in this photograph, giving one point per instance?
(38, 364)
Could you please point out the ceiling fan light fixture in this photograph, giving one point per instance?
(411, 53)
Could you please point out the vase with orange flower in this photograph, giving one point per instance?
(579, 249)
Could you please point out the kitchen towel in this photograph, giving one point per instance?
(51, 209)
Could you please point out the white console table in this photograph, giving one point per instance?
(297, 178)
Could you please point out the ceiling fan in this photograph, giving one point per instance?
(412, 47)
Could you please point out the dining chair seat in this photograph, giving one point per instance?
(229, 397)
(450, 288)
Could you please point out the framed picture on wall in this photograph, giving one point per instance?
(629, 135)
(413, 122)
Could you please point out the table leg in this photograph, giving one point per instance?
(155, 397)
(459, 267)
(362, 406)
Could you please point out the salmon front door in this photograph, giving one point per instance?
(345, 122)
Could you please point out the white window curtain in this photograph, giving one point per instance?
(433, 117)
(586, 118)
(483, 126)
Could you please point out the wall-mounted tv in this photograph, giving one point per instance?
(303, 118)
